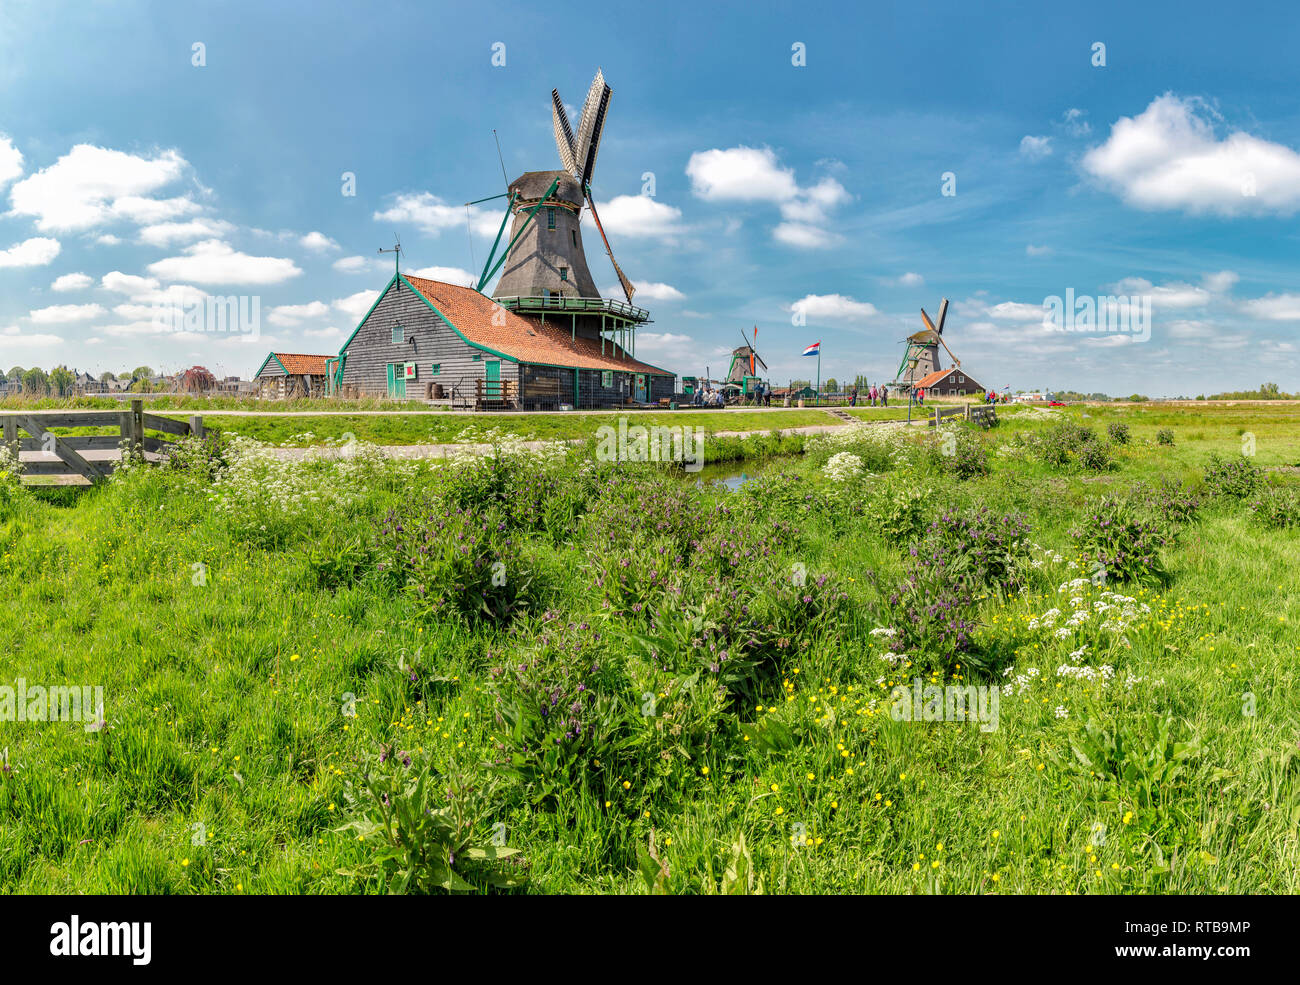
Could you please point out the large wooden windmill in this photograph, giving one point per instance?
(921, 355)
(544, 270)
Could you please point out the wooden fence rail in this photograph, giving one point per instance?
(85, 459)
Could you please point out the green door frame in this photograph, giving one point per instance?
(492, 374)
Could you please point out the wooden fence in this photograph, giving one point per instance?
(86, 459)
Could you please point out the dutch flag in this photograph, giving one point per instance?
(813, 349)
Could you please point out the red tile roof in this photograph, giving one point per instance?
(483, 322)
(931, 379)
(300, 364)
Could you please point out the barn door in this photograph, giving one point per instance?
(493, 370)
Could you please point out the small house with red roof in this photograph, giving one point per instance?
(951, 382)
(288, 375)
(426, 339)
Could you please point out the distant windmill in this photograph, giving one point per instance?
(745, 361)
(921, 357)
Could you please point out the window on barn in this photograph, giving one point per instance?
(960, 378)
(550, 217)
(435, 369)
(564, 273)
(399, 334)
(607, 378)
(476, 357)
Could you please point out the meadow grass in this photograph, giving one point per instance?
(270, 634)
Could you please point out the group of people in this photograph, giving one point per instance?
(878, 395)
(706, 396)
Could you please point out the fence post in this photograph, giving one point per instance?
(936, 417)
(11, 436)
(967, 411)
(137, 426)
(196, 426)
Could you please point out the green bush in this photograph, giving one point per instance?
(1117, 431)
(1165, 436)
(1277, 507)
(1235, 478)
(1120, 545)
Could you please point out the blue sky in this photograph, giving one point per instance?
(807, 199)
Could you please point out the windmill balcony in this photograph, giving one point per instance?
(562, 302)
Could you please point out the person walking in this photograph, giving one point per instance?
(920, 395)
(884, 396)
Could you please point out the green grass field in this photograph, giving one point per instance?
(567, 675)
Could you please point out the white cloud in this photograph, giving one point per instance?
(215, 262)
(65, 313)
(432, 215)
(1074, 123)
(1220, 283)
(1038, 251)
(1035, 148)
(636, 216)
(108, 239)
(1275, 307)
(750, 174)
(353, 265)
(833, 308)
(323, 333)
(90, 186)
(357, 304)
(128, 284)
(292, 314)
(1175, 295)
(448, 275)
(11, 161)
(1017, 311)
(72, 282)
(1169, 157)
(804, 236)
(168, 233)
(740, 174)
(1184, 329)
(910, 279)
(317, 243)
(672, 347)
(35, 252)
(648, 291)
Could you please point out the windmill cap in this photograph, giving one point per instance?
(532, 185)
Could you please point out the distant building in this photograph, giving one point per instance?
(290, 375)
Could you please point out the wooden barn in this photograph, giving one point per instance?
(287, 375)
(429, 340)
(951, 382)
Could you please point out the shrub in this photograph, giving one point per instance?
(1117, 431)
(1235, 478)
(1277, 508)
(1165, 436)
(455, 562)
(897, 506)
(1067, 445)
(1171, 503)
(1119, 544)
(964, 454)
(984, 548)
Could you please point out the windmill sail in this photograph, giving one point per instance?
(628, 289)
(589, 128)
(563, 133)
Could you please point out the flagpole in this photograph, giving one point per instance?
(819, 374)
